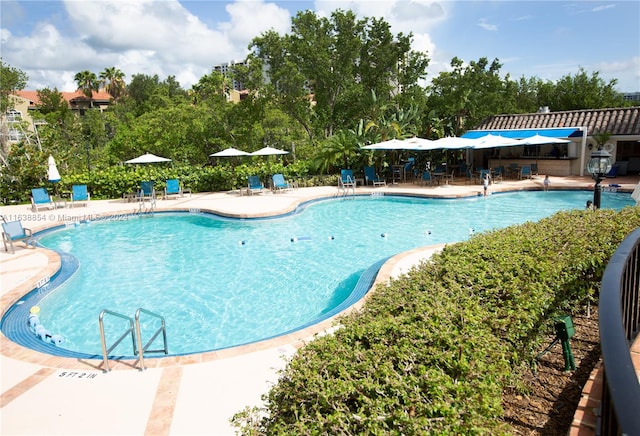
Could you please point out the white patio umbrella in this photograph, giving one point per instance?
(494, 141)
(147, 158)
(52, 173)
(229, 152)
(391, 144)
(538, 139)
(268, 151)
(453, 143)
(419, 144)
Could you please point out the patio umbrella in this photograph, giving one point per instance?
(391, 144)
(268, 151)
(453, 143)
(419, 144)
(52, 174)
(147, 158)
(230, 152)
(495, 141)
(539, 140)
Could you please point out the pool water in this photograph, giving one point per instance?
(222, 282)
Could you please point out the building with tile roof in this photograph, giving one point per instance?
(577, 126)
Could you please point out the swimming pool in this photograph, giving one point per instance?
(223, 282)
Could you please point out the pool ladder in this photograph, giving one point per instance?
(136, 338)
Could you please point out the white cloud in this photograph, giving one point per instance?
(138, 37)
(487, 26)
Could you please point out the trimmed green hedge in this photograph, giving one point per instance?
(115, 181)
(432, 352)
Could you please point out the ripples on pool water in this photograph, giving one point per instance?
(221, 282)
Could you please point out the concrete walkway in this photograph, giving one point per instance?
(188, 395)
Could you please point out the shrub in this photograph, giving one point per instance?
(433, 351)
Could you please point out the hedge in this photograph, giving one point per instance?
(433, 351)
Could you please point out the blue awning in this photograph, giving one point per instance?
(560, 132)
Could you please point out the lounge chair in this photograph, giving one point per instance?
(41, 198)
(173, 187)
(371, 176)
(279, 183)
(79, 194)
(525, 172)
(426, 178)
(146, 192)
(13, 231)
(347, 181)
(255, 185)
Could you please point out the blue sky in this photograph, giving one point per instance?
(53, 40)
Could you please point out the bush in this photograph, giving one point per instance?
(433, 351)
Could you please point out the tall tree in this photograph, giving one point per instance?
(11, 80)
(87, 84)
(113, 81)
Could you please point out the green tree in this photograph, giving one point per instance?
(87, 84)
(11, 80)
(582, 91)
(113, 81)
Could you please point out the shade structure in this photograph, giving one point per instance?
(229, 152)
(268, 151)
(52, 173)
(538, 139)
(391, 144)
(495, 141)
(453, 143)
(147, 158)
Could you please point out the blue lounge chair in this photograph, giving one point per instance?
(13, 231)
(79, 194)
(347, 181)
(173, 187)
(426, 178)
(525, 172)
(279, 183)
(255, 185)
(41, 198)
(371, 176)
(146, 191)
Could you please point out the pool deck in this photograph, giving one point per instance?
(188, 395)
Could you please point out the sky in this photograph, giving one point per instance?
(53, 40)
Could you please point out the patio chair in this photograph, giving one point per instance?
(146, 192)
(498, 174)
(255, 185)
(79, 194)
(13, 231)
(426, 178)
(279, 183)
(173, 187)
(471, 177)
(371, 176)
(41, 198)
(525, 172)
(347, 181)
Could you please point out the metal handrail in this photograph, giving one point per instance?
(105, 351)
(162, 330)
(619, 319)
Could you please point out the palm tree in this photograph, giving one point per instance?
(87, 83)
(113, 81)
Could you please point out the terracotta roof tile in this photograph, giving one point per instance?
(32, 96)
(617, 121)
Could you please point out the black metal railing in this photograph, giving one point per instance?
(619, 312)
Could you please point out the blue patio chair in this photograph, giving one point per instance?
(41, 198)
(255, 185)
(13, 231)
(525, 172)
(471, 177)
(347, 181)
(146, 191)
(173, 187)
(279, 183)
(371, 176)
(79, 194)
(426, 178)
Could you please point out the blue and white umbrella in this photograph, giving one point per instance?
(52, 173)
